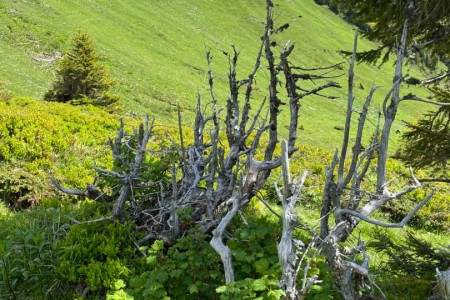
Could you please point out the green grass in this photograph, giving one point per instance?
(156, 51)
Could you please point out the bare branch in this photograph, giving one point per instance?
(250, 81)
(327, 197)
(384, 224)
(443, 180)
(435, 79)
(286, 253)
(217, 242)
(350, 99)
(320, 88)
(418, 99)
(125, 189)
(183, 148)
(359, 134)
(391, 111)
(110, 218)
(320, 68)
(68, 191)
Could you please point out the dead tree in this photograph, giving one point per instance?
(233, 152)
(233, 179)
(343, 195)
(288, 248)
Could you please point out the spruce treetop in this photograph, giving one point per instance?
(80, 76)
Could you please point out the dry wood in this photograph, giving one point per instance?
(391, 111)
(347, 185)
(443, 279)
(286, 247)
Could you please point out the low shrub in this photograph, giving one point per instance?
(94, 256)
(39, 140)
(266, 287)
(188, 270)
(29, 254)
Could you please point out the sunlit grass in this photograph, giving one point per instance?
(156, 52)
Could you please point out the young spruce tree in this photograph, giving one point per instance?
(80, 77)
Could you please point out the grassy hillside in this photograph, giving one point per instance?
(156, 51)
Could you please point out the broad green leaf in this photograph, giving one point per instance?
(261, 265)
(151, 259)
(275, 294)
(313, 271)
(176, 273)
(259, 285)
(232, 244)
(119, 284)
(157, 245)
(193, 289)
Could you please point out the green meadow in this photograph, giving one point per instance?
(156, 52)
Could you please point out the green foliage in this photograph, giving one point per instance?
(254, 249)
(97, 254)
(191, 269)
(18, 187)
(428, 23)
(412, 262)
(427, 143)
(413, 257)
(29, 252)
(81, 78)
(43, 255)
(41, 139)
(27, 258)
(318, 266)
(435, 215)
(188, 270)
(405, 287)
(266, 287)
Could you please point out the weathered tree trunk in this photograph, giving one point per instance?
(443, 279)
(391, 111)
(286, 247)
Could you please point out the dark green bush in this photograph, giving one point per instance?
(190, 269)
(4, 93)
(19, 188)
(29, 252)
(97, 255)
(81, 77)
(254, 250)
(266, 287)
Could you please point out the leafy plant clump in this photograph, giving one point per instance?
(96, 255)
(81, 78)
(188, 270)
(30, 250)
(41, 139)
